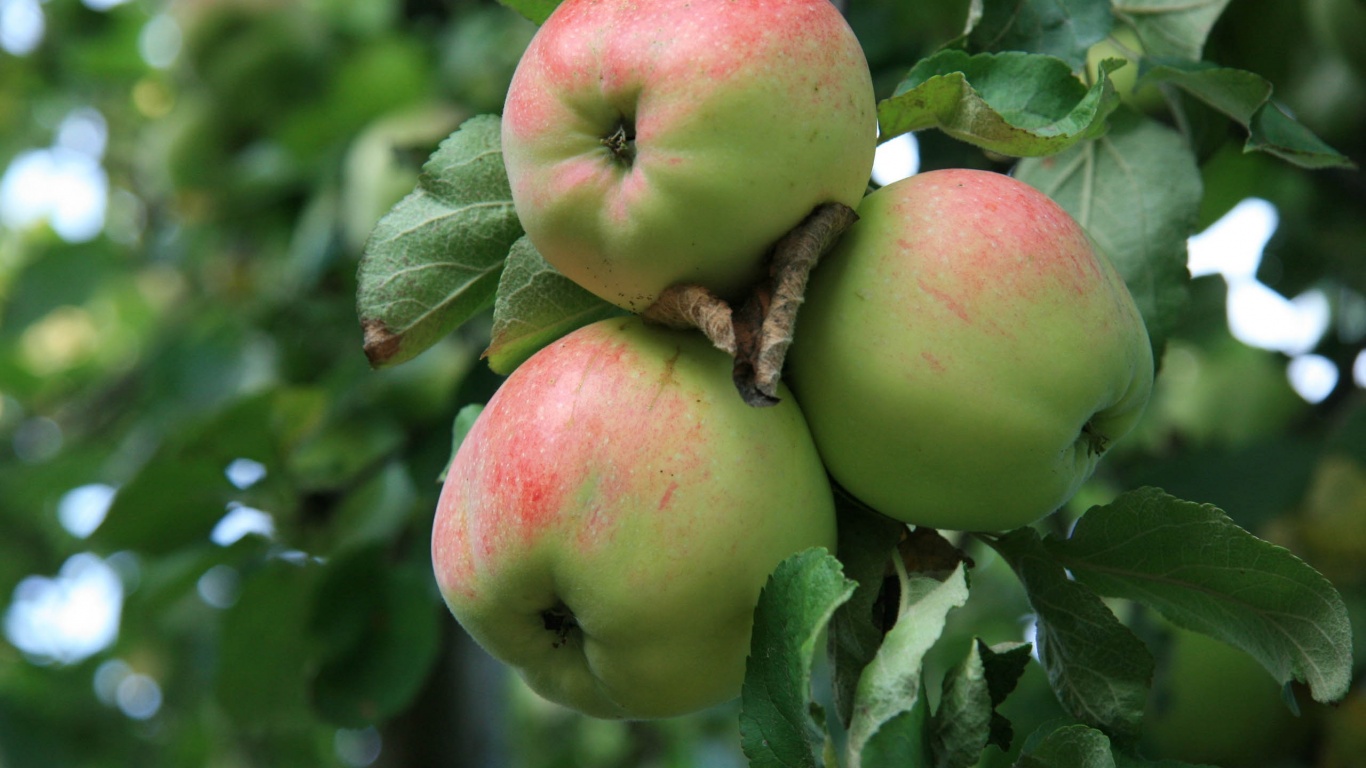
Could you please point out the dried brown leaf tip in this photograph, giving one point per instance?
(380, 344)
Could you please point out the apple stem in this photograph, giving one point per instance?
(758, 333)
(686, 305)
(765, 324)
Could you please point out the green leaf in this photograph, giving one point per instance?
(435, 259)
(1235, 92)
(377, 511)
(962, 724)
(1245, 97)
(264, 653)
(1123, 760)
(1065, 29)
(165, 580)
(535, 10)
(174, 501)
(903, 740)
(967, 720)
(1194, 565)
(177, 497)
(891, 684)
(1171, 27)
(867, 540)
(1020, 104)
(1137, 192)
(379, 626)
(1076, 745)
(1274, 132)
(1005, 664)
(1072, 746)
(342, 451)
(777, 729)
(1099, 669)
(536, 305)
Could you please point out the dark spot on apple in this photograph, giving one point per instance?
(667, 377)
(559, 621)
(621, 142)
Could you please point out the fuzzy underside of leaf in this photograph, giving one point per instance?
(435, 259)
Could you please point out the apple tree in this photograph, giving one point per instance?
(228, 407)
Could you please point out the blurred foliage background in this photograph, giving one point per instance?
(214, 516)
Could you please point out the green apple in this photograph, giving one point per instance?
(965, 356)
(1123, 43)
(608, 522)
(673, 141)
(1341, 26)
(1213, 704)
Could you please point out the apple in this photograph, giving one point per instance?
(1123, 43)
(1213, 704)
(965, 356)
(1340, 25)
(674, 141)
(609, 520)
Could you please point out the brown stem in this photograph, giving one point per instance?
(692, 306)
(765, 324)
(758, 333)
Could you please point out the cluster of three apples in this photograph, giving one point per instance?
(608, 522)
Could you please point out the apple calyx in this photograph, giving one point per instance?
(622, 142)
(560, 621)
(758, 333)
(1096, 443)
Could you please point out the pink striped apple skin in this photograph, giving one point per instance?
(965, 356)
(607, 524)
(732, 118)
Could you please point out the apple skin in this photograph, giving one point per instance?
(746, 114)
(1124, 43)
(1341, 26)
(1213, 704)
(964, 355)
(617, 476)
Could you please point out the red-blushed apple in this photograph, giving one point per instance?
(652, 143)
(608, 522)
(965, 356)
